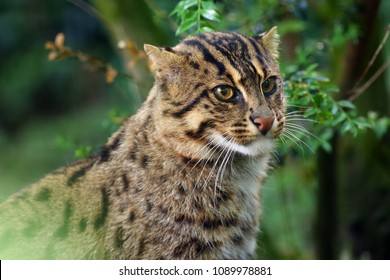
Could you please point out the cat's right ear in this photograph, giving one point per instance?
(270, 40)
(162, 58)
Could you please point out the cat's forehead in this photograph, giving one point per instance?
(228, 48)
(230, 41)
(227, 44)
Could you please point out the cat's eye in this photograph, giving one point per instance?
(224, 93)
(269, 86)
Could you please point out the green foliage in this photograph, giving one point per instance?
(311, 95)
(114, 119)
(196, 16)
(343, 34)
(379, 125)
(313, 98)
(69, 144)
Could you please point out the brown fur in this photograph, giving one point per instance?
(179, 180)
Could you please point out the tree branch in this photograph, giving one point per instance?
(356, 91)
(360, 90)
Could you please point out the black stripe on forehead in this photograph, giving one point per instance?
(235, 50)
(244, 42)
(244, 45)
(246, 62)
(227, 44)
(259, 53)
(206, 54)
(224, 47)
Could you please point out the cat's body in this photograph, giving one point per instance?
(180, 179)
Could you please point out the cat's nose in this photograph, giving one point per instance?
(264, 124)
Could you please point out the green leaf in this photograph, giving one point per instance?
(310, 112)
(184, 5)
(346, 127)
(83, 151)
(335, 109)
(210, 11)
(187, 24)
(325, 116)
(206, 29)
(312, 67)
(346, 104)
(210, 15)
(319, 100)
(196, 13)
(380, 127)
(340, 118)
(361, 123)
(189, 3)
(209, 5)
(326, 146)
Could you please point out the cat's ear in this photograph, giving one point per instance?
(162, 58)
(270, 41)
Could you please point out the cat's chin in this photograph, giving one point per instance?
(260, 146)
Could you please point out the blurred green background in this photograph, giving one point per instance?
(325, 206)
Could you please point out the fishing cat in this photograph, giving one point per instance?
(180, 179)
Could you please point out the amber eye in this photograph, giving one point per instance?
(269, 86)
(224, 93)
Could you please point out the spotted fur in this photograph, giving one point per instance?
(180, 179)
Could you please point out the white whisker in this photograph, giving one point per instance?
(298, 141)
(290, 119)
(296, 106)
(199, 152)
(213, 151)
(302, 130)
(212, 171)
(221, 172)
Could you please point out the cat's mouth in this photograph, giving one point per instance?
(256, 139)
(258, 146)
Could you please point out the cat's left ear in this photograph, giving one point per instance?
(162, 58)
(270, 41)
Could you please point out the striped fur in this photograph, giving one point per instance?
(180, 179)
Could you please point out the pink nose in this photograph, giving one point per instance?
(265, 124)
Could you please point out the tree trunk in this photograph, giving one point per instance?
(327, 231)
(327, 224)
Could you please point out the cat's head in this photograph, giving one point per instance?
(220, 90)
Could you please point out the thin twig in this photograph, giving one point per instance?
(359, 91)
(59, 51)
(380, 47)
(356, 90)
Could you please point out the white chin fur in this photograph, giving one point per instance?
(260, 146)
